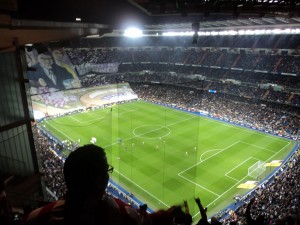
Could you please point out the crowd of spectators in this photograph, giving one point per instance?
(274, 119)
(266, 93)
(269, 199)
(51, 167)
(209, 57)
(170, 81)
(254, 75)
(278, 203)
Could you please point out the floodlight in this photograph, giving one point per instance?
(133, 32)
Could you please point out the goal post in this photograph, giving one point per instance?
(257, 169)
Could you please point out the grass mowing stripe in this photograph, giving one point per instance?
(226, 174)
(279, 151)
(128, 139)
(207, 158)
(142, 189)
(198, 185)
(67, 136)
(239, 181)
(153, 163)
(245, 129)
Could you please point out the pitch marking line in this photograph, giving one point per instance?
(256, 146)
(59, 131)
(198, 185)
(278, 151)
(226, 174)
(223, 193)
(241, 180)
(74, 118)
(209, 151)
(84, 121)
(128, 139)
(157, 129)
(142, 188)
(245, 129)
(208, 157)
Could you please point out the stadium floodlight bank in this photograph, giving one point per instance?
(257, 169)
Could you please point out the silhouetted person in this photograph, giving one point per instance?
(86, 173)
(203, 220)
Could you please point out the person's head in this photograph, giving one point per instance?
(58, 54)
(45, 59)
(86, 170)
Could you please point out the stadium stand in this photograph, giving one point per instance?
(257, 90)
(271, 114)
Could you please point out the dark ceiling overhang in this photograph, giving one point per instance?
(21, 32)
(28, 21)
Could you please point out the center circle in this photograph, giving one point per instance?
(151, 131)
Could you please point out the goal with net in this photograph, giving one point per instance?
(257, 169)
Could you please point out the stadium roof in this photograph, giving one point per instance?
(32, 21)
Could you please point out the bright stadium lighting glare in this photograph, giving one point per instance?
(241, 32)
(268, 31)
(133, 32)
(259, 32)
(295, 31)
(249, 32)
(166, 34)
(276, 31)
(182, 33)
(234, 32)
(225, 32)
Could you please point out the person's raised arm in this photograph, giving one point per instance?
(202, 210)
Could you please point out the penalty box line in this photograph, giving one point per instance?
(238, 182)
(226, 174)
(198, 185)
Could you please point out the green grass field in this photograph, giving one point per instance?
(169, 155)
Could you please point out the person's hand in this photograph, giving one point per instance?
(197, 200)
(185, 203)
(42, 82)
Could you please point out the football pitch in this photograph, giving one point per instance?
(164, 156)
